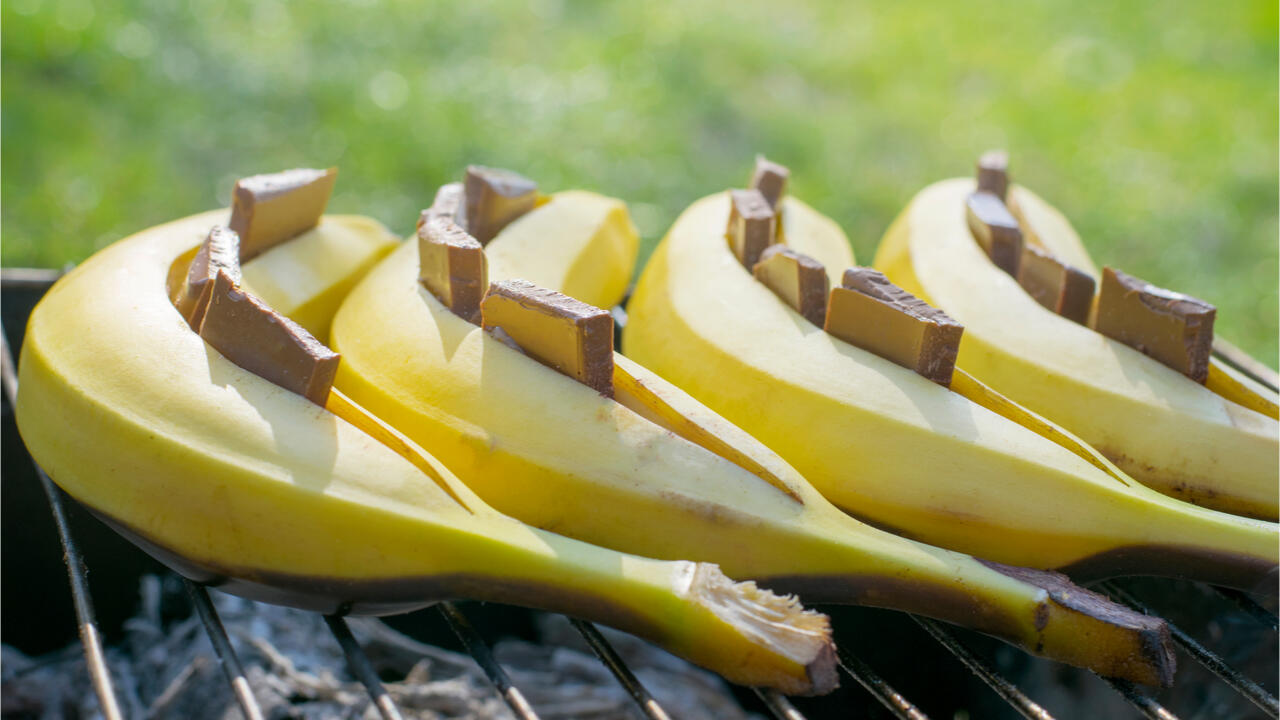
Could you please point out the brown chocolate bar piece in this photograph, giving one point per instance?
(447, 203)
(751, 225)
(267, 210)
(798, 279)
(1173, 328)
(220, 252)
(995, 229)
(452, 266)
(878, 316)
(562, 333)
(1064, 289)
(770, 179)
(494, 198)
(993, 173)
(266, 343)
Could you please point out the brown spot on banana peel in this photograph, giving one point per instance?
(1255, 575)
(1152, 657)
(1135, 647)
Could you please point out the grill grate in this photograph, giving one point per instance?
(777, 704)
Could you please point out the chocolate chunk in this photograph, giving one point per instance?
(798, 279)
(562, 333)
(266, 343)
(447, 203)
(267, 210)
(995, 229)
(220, 252)
(878, 316)
(770, 179)
(495, 198)
(993, 173)
(1173, 328)
(452, 266)
(1062, 288)
(751, 225)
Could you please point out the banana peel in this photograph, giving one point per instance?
(961, 468)
(652, 471)
(1215, 446)
(236, 482)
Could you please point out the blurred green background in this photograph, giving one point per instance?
(1153, 126)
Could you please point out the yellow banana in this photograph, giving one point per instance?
(1165, 430)
(238, 482)
(902, 452)
(656, 473)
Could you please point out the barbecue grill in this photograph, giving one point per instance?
(966, 648)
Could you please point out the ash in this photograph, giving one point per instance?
(167, 669)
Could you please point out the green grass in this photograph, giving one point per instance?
(1152, 125)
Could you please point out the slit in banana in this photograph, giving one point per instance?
(1136, 380)
(650, 470)
(218, 254)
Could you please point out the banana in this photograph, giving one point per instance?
(1163, 429)
(902, 452)
(652, 471)
(234, 481)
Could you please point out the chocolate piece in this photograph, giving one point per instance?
(1173, 328)
(993, 173)
(452, 266)
(751, 225)
(220, 251)
(447, 203)
(876, 315)
(266, 343)
(1062, 288)
(770, 179)
(494, 198)
(995, 229)
(266, 210)
(562, 333)
(798, 279)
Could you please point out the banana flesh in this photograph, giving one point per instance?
(658, 474)
(237, 482)
(1162, 429)
(901, 452)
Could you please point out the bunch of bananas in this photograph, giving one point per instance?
(481, 439)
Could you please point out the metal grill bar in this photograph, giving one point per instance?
(779, 705)
(867, 678)
(1204, 656)
(1148, 707)
(90, 637)
(1249, 606)
(603, 650)
(1005, 689)
(29, 278)
(227, 657)
(360, 666)
(475, 645)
